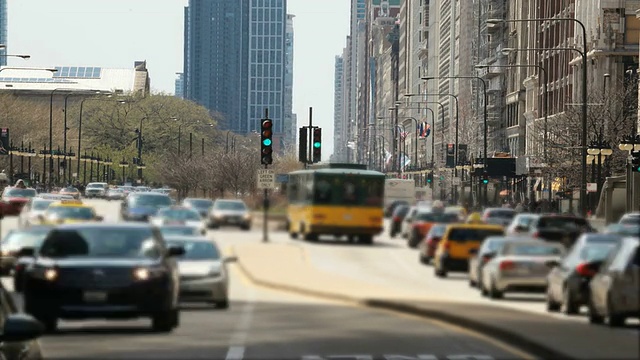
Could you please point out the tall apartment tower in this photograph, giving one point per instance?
(179, 86)
(3, 31)
(234, 61)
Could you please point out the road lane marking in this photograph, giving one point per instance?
(235, 353)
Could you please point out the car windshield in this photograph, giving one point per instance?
(596, 251)
(70, 189)
(462, 234)
(493, 243)
(17, 192)
(197, 250)
(101, 242)
(31, 238)
(179, 230)
(437, 217)
(179, 214)
(70, 212)
(529, 249)
(525, 220)
(40, 205)
(623, 229)
(230, 205)
(630, 220)
(562, 222)
(116, 190)
(502, 213)
(200, 204)
(149, 201)
(92, 186)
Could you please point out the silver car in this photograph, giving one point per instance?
(615, 289)
(96, 190)
(488, 250)
(520, 266)
(229, 212)
(203, 270)
(33, 211)
(115, 194)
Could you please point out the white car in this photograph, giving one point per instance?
(203, 271)
(179, 215)
(96, 190)
(33, 211)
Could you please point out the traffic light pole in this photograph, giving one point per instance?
(310, 142)
(267, 133)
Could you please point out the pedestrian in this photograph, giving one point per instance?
(519, 208)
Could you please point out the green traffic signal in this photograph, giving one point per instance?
(485, 181)
(316, 145)
(266, 142)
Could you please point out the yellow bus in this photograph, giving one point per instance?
(337, 199)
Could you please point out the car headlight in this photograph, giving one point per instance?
(247, 216)
(216, 215)
(143, 274)
(49, 274)
(214, 272)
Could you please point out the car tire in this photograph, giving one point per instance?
(424, 259)
(569, 306)
(18, 284)
(365, 239)
(494, 293)
(49, 322)
(594, 317)
(614, 319)
(221, 304)
(472, 283)
(165, 321)
(439, 273)
(245, 227)
(552, 305)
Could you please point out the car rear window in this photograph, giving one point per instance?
(229, 205)
(533, 249)
(562, 222)
(401, 210)
(596, 251)
(462, 234)
(436, 217)
(437, 231)
(502, 213)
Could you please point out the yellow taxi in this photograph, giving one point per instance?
(457, 244)
(68, 212)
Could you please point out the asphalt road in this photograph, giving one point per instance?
(265, 324)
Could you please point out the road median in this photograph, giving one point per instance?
(285, 267)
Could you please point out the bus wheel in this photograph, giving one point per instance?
(311, 237)
(366, 239)
(351, 238)
(293, 235)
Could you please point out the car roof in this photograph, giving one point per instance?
(476, 226)
(102, 225)
(230, 200)
(149, 193)
(199, 199)
(186, 238)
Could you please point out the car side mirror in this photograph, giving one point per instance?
(552, 263)
(26, 252)
(230, 259)
(175, 251)
(473, 252)
(21, 327)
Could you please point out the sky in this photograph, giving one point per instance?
(116, 33)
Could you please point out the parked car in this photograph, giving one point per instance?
(615, 289)
(519, 266)
(568, 281)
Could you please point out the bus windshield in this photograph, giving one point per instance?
(348, 190)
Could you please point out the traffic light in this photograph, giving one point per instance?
(317, 144)
(266, 143)
(484, 179)
(429, 178)
(635, 161)
(302, 145)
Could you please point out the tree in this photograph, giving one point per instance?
(610, 117)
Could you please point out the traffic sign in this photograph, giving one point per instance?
(266, 179)
(592, 187)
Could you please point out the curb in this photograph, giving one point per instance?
(509, 337)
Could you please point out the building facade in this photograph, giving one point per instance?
(236, 65)
(179, 85)
(338, 123)
(290, 124)
(3, 31)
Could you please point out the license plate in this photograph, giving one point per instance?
(233, 220)
(95, 296)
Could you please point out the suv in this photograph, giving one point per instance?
(96, 190)
(560, 228)
(229, 212)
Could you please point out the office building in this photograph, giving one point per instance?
(235, 65)
(179, 85)
(3, 31)
(290, 126)
(338, 124)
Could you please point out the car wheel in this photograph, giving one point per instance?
(594, 317)
(245, 227)
(494, 293)
(50, 323)
(221, 304)
(424, 259)
(568, 303)
(615, 320)
(472, 283)
(552, 305)
(17, 284)
(439, 273)
(165, 321)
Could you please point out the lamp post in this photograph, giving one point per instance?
(123, 165)
(49, 184)
(600, 149)
(416, 132)
(631, 144)
(583, 53)
(486, 99)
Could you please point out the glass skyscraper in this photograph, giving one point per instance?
(234, 61)
(3, 31)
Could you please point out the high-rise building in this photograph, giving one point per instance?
(289, 123)
(179, 85)
(338, 124)
(235, 61)
(3, 31)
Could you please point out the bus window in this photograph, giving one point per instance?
(350, 192)
(374, 192)
(323, 192)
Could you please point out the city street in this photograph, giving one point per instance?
(266, 324)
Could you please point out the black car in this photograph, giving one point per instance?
(396, 219)
(19, 332)
(568, 281)
(106, 271)
(140, 206)
(388, 212)
(564, 229)
(15, 241)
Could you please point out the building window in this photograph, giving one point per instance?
(632, 30)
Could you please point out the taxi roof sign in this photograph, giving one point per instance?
(71, 202)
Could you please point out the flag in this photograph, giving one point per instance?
(403, 134)
(421, 128)
(427, 130)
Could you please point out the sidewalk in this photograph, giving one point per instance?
(284, 267)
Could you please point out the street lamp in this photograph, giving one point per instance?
(415, 147)
(486, 100)
(123, 165)
(583, 53)
(599, 149)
